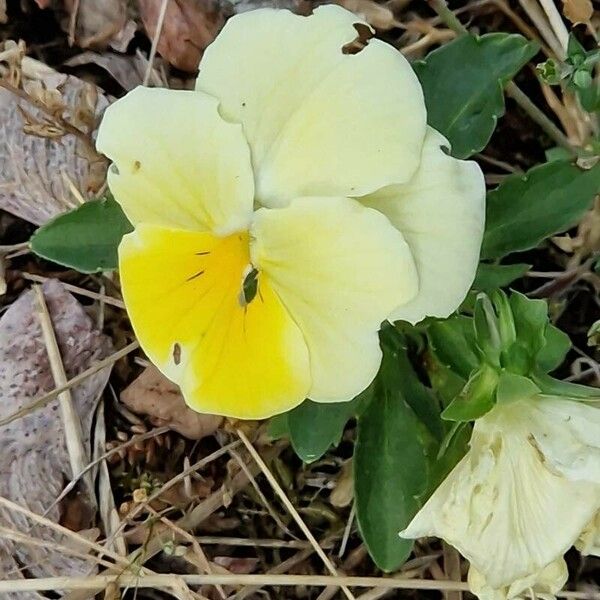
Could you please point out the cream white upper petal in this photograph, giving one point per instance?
(318, 121)
(176, 162)
(339, 268)
(544, 584)
(441, 213)
(503, 506)
(568, 434)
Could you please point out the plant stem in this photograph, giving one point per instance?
(553, 132)
(511, 88)
(449, 18)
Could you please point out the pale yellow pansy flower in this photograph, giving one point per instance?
(544, 584)
(284, 209)
(522, 495)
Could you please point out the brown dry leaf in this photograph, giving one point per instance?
(3, 17)
(578, 11)
(343, 493)
(127, 71)
(301, 7)
(38, 162)
(189, 27)
(154, 395)
(377, 15)
(237, 565)
(34, 463)
(97, 22)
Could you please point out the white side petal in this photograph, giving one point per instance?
(339, 268)
(177, 163)
(544, 584)
(441, 213)
(318, 121)
(503, 506)
(568, 434)
(589, 540)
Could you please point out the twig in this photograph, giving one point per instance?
(447, 16)
(100, 582)
(155, 40)
(292, 510)
(134, 440)
(262, 497)
(78, 454)
(43, 400)
(73, 22)
(169, 484)
(74, 289)
(347, 531)
(80, 539)
(532, 8)
(551, 130)
(556, 22)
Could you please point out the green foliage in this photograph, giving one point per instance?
(462, 82)
(314, 427)
(453, 343)
(490, 277)
(394, 450)
(512, 387)
(525, 209)
(575, 73)
(504, 350)
(476, 398)
(86, 238)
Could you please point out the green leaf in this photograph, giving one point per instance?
(557, 345)
(453, 343)
(278, 427)
(490, 277)
(453, 448)
(462, 82)
(512, 387)
(525, 209)
(554, 387)
(476, 398)
(531, 320)
(390, 465)
(86, 238)
(315, 426)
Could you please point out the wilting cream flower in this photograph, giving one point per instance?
(522, 495)
(362, 216)
(544, 584)
(589, 540)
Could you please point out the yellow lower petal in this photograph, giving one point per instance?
(183, 292)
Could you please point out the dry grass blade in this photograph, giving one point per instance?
(157, 541)
(100, 582)
(78, 454)
(109, 360)
(134, 440)
(155, 40)
(78, 291)
(292, 510)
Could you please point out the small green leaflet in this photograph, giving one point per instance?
(462, 82)
(490, 276)
(525, 209)
(391, 463)
(313, 427)
(85, 239)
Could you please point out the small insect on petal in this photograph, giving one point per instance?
(249, 287)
